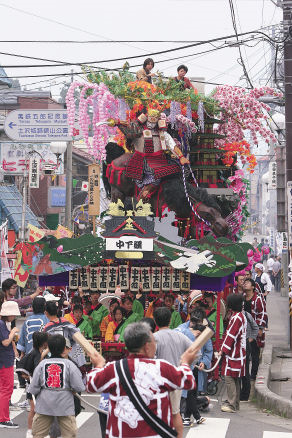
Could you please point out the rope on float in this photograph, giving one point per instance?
(211, 369)
(89, 404)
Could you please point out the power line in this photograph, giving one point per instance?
(239, 49)
(237, 35)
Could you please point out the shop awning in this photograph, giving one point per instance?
(11, 208)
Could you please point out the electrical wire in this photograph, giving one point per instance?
(239, 49)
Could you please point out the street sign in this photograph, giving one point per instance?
(37, 125)
(14, 157)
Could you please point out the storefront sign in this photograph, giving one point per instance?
(273, 175)
(34, 173)
(15, 157)
(57, 196)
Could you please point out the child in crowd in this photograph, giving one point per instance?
(27, 365)
(53, 381)
(113, 328)
(108, 318)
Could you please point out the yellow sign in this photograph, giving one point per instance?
(62, 232)
(93, 190)
(35, 233)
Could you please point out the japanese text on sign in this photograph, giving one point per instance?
(129, 243)
(93, 190)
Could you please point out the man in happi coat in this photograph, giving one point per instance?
(153, 379)
(233, 351)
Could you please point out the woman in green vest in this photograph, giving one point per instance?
(81, 321)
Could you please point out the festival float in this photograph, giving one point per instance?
(161, 149)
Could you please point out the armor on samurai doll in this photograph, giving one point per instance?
(152, 144)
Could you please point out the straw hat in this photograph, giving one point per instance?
(9, 308)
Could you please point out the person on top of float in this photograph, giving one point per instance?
(145, 73)
(181, 78)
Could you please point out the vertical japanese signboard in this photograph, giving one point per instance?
(34, 173)
(93, 190)
(273, 175)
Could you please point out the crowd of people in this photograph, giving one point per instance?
(47, 335)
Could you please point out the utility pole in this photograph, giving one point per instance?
(68, 206)
(287, 9)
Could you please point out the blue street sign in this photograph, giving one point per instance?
(38, 126)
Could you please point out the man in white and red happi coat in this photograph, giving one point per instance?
(154, 378)
(256, 306)
(234, 353)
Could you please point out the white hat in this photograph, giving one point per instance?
(260, 266)
(51, 297)
(9, 308)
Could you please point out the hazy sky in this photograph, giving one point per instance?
(193, 20)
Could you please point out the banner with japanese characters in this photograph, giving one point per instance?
(84, 278)
(73, 279)
(103, 278)
(107, 278)
(185, 280)
(93, 278)
(112, 278)
(124, 277)
(145, 279)
(93, 190)
(166, 278)
(156, 278)
(175, 280)
(135, 278)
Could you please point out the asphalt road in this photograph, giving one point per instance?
(248, 423)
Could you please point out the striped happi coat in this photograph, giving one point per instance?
(234, 346)
(154, 378)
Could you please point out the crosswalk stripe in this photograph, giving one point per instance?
(82, 418)
(17, 394)
(211, 428)
(269, 434)
(14, 414)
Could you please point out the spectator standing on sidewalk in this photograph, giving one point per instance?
(9, 287)
(33, 323)
(270, 264)
(263, 280)
(277, 274)
(171, 344)
(9, 311)
(256, 306)
(252, 330)
(234, 353)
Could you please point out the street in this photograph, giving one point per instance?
(249, 422)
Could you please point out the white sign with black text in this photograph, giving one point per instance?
(34, 173)
(129, 243)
